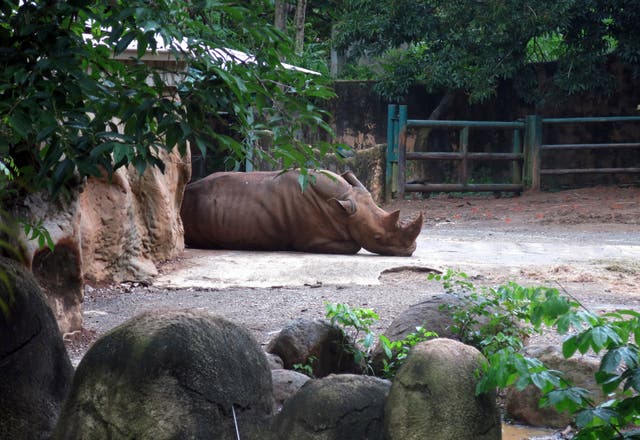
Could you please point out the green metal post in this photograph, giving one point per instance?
(516, 166)
(533, 142)
(392, 148)
(402, 149)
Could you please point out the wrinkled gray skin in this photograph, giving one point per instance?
(269, 211)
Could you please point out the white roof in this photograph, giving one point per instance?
(164, 53)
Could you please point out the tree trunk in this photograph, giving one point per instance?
(301, 9)
(424, 171)
(282, 11)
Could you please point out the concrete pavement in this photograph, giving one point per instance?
(438, 248)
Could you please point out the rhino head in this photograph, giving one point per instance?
(372, 227)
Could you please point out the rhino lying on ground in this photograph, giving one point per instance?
(269, 211)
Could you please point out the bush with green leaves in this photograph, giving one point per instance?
(396, 352)
(76, 100)
(516, 311)
(356, 325)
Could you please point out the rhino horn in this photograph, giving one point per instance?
(413, 228)
(353, 180)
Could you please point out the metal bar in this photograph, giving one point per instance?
(462, 124)
(436, 155)
(591, 119)
(464, 151)
(402, 148)
(392, 110)
(516, 167)
(459, 187)
(590, 146)
(557, 171)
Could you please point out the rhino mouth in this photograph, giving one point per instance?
(397, 251)
(391, 250)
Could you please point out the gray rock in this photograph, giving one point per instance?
(433, 396)
(317, 343)
(275, 363)
(286, 383)
(35, 371)
(172, 374)
(337, 407)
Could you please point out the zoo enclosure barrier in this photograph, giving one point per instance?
(525, 158)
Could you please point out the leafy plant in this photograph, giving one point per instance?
(491, 318)
(613, 335)
(38, 232)
(396, 351)
(356, 325)
(307, 367)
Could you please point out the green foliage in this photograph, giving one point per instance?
(612, 335)
(396, 351)
(357, 322)
(71, 109)
(38, 232)
(356, 326)
(307, 367)
(472, 45)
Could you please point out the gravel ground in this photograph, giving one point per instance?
(597, 216)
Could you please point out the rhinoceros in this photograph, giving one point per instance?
(269, 211)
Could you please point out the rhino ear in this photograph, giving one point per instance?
(349, 206)
(392, 219)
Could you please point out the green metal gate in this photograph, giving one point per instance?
(524, 160)
(536, 126)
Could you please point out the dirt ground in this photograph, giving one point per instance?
(597, 208)
(603, 285)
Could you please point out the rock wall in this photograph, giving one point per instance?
(132, 223)
(104, 232)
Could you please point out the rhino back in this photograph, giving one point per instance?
(261, 210)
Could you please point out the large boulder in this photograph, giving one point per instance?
(172, 374)
(579, 370)
(433, 396)
(316, 343)
(35, 371)
(337, 407)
